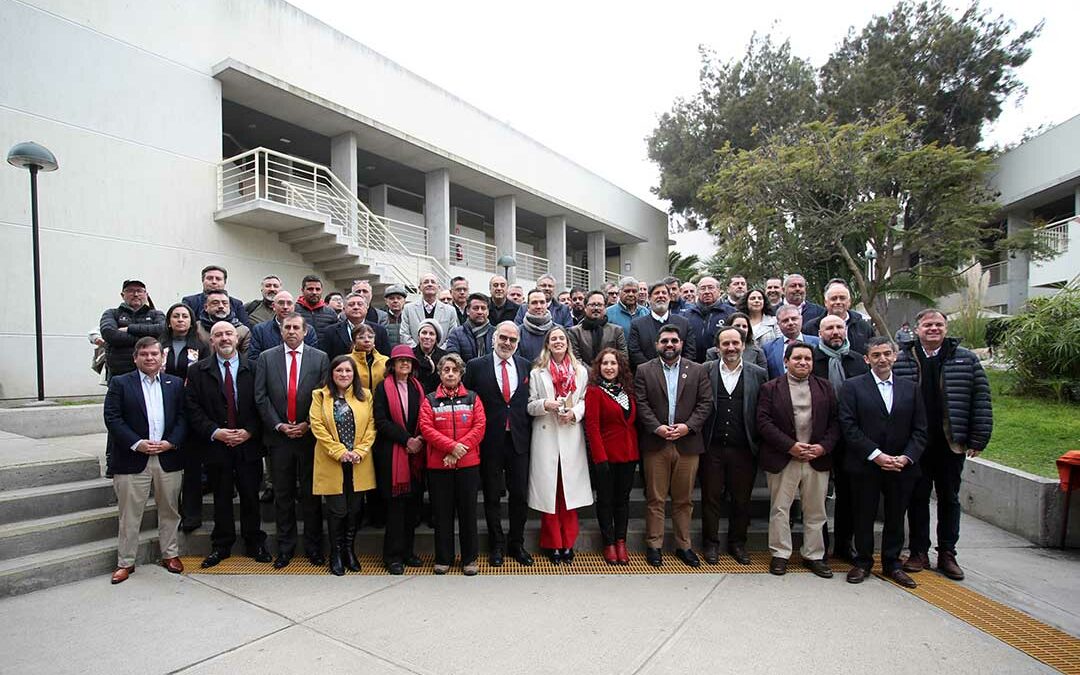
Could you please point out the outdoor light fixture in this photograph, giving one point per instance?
(36, 158)
(506, 262)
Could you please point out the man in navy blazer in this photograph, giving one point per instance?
(504, 452)
(144, 413)
(883, 420)
(336, 339)
(267, 335)
(790, 321)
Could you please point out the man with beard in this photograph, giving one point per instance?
(267, 334)
(795, 295)
(623, 312)
(474, 337)
(262, 309)
(535, 326)
(312, 307)
(216, 307)
(838, 303)
(213, 279)
(736, 291)
(706, 316)
(577, 304)
(501, 307)
(560, 314)
(595, 332)
(643, 331)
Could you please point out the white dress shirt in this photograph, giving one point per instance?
(155, 407)
(730, 378)
(288, 360)
(885, 388)
(511, 372)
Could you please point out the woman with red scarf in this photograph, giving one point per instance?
(558, 465)
(399, 456)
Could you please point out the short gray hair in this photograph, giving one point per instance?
(787, 309)
(628, 281)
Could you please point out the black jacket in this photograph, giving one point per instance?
(120, 344)
(480, 378)
(965, 391)
(852, 362)
(868, 426)
(206, 412)
(336, 339)
(388, 432)
(176, 362)
(507, 312)
(198, 300)
(643, 333)
(859, 330)
(429, 379)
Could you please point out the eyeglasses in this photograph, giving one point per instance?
(669, 341)
(508, 338)
(595, 304)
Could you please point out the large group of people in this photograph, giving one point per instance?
(341, 411)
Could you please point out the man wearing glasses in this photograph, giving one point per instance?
(594, 333)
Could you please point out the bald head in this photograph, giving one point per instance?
(832, 330)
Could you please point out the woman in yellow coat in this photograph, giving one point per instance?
(370, 364)
(344, 428)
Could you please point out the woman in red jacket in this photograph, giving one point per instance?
(610, 412)
(452, 424)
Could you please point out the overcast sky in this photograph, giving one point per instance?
(589, 78)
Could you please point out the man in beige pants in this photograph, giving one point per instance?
(144, 412)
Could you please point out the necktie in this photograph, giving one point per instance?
(290, 408)
(506, 390)
(230, 397)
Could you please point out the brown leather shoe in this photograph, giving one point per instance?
(946, 564)
(778, 566)
(611, 555)
(818, 567)
(916, 562)
(122, 573)
(900, 576)
(173, 565)
(856, 575)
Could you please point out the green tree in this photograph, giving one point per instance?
(859, 191)
(684, 267)
(948, 74)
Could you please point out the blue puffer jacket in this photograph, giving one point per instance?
(704, 324)
(969, 417)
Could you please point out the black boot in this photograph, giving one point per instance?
(335, 528)
(348, 551)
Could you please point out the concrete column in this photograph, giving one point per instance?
(377, 198)
(556, 250)
(647, 261)
(506, 230)
(343, 162)
(1018, 264)
(437, 214)
(596, 247)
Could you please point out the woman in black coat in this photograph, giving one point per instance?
(428, 353)
(399, 456)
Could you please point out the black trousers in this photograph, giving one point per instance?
(731, 471)
(191, 488)
(402, 515)
(245, 477)
(843, 510)
(867, 488)
(292, 464)
(453, 493)
(501, 463)
(941, 470)
(347, 505)
(613, 499)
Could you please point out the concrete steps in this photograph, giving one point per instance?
(67, 564)
(52, 500)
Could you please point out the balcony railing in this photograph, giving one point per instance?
(1055, 236)
(611, 277)
(577, 276)
(530, 266)
(998, 273)
(473, 254)
(263, 174)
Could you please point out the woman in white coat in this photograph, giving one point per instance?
(558, 465)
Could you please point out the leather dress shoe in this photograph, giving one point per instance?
(214, 558)
(414, 561)
(121, 574)
(947, 565)
(555, 556)
(187, 526)
(654, 557)
(857, 575)
(901, 577)
(711, 553)
(470, 569)
(395, 568)
(495, 558)
(281, 562)
(778, 566)
(261, 554)
(818, 567)
(738, 552)
(916, 562)
(441, 569)
(611, 556)
(267, 495)
(620, 550)
(316, 559)
(173, 565)
(689, 558)
(567, 556)
(521, 555)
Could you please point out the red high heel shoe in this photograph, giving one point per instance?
(611, 557)
(620, 552)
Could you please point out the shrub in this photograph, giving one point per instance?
(1043, 344)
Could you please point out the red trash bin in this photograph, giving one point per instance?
(1068, 466)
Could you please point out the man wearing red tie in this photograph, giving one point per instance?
(285, 376)
(224, 426)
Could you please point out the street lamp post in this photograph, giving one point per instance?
(36, 158)
(506, 262)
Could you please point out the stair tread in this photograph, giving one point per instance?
(75, 517)
(57, 489)
(67, 553)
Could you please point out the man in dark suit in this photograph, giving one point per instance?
(729, 463)
(790, 322)
(674, 400)
(214, 279)
(225, 425)
(144, 413)
(795, 295)
(267, 334)
(337, 338)
(797, 420)
(285, 376)
(884, 423)
(644, 330)
(595, 333)
(502, 308)
(838, 303)
(501, 380)
(836, 361)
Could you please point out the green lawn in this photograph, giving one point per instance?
(1030, 433)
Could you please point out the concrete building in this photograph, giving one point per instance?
(250, 135)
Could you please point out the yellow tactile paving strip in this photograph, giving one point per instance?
(1053, 647)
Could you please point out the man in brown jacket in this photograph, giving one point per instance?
(674, 401)
(797, 420)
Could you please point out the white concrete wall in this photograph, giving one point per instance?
(1045, 161)
(1061, 268)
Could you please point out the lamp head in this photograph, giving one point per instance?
(29, 154)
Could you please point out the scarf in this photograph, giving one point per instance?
(479, 336)
(538, 325)
(405, 468)
(303, 303)
(615, 391)
(596, 330)
(836, 366)
(562, 376)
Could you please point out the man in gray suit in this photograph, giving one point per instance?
(427, 307)
(729, 464)
(285, 376)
